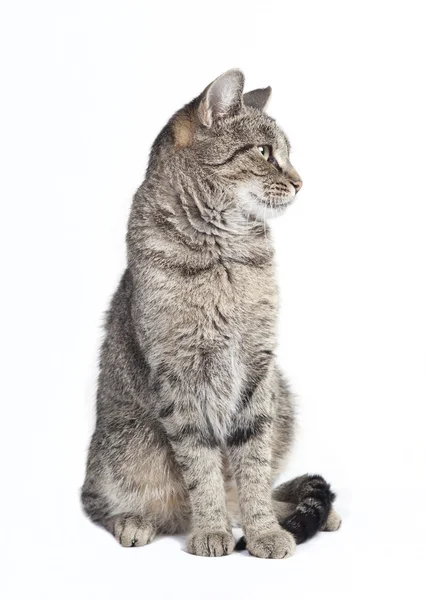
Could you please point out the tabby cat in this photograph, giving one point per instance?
(194, 419)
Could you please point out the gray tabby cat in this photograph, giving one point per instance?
(194, 419)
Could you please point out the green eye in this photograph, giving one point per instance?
(264, 151)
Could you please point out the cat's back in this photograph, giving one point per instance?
(123, 368)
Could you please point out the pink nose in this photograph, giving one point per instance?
(297, 183)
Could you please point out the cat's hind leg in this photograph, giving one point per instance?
(132, 487)
(130, 529)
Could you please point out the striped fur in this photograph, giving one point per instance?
(312, 498)
(194, 418)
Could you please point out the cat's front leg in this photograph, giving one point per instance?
(200, 461)
(249, 448)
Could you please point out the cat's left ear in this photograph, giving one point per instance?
(222, 98)
(258, 98)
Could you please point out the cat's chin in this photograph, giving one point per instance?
(262, 212)
(255, 205)
(265, 209)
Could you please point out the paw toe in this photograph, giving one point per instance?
(211, 543)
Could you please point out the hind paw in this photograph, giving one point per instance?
(131, 531)
(333, 522)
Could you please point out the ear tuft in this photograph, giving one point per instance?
(257, 98)
(222, 98)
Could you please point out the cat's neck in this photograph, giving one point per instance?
(194, 224)
(201, 203)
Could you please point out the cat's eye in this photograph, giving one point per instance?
(264, 151)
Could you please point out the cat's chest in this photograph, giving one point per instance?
(240, 318)
(245, 291)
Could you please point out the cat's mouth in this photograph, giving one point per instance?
(265, 202)
(274, 203)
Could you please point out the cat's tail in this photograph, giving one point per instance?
(313, 498)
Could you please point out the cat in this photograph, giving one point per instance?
(194, 418)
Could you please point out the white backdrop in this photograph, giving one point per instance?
(86, 87)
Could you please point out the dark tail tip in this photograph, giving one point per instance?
(241, 544)
(312, 510)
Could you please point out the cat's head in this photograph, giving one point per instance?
(228, 135)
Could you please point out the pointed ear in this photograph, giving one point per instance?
(222, 98)
(257, 98)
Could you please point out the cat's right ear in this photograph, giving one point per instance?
(222, 98)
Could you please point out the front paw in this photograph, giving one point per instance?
(210, 543)
(271, 544)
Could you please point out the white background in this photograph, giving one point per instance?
(86, 86)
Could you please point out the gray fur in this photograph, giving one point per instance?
(257, 98)
(191, 406)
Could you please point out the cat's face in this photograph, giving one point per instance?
(228, 134)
